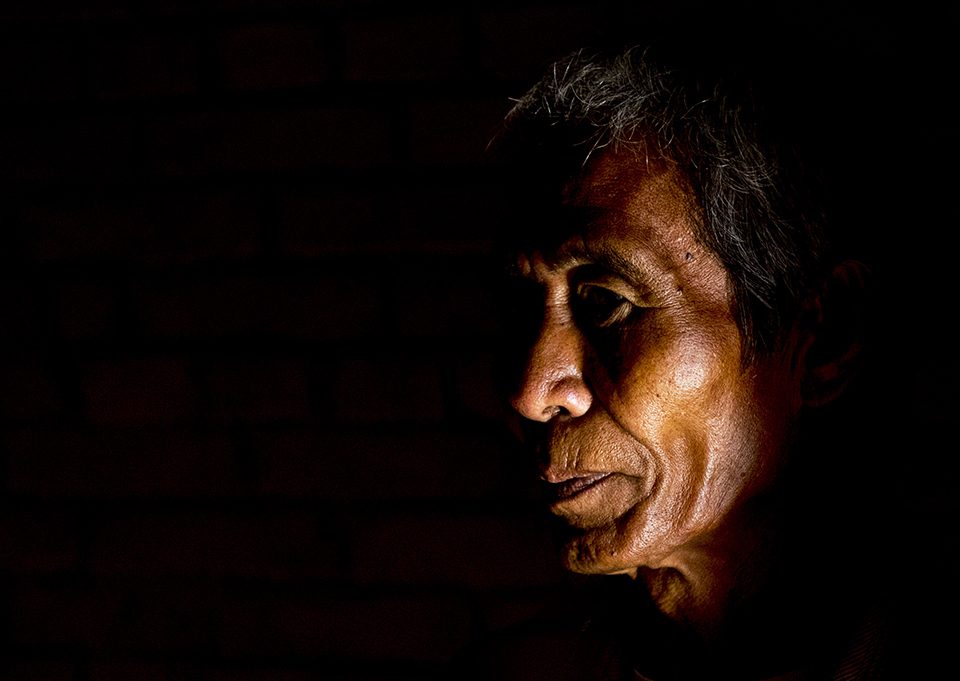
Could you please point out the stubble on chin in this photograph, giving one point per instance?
(613, 547)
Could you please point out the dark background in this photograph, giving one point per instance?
(249, 423)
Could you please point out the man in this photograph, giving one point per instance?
(690, 332)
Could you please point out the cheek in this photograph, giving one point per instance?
(689, 375)
(674, 377)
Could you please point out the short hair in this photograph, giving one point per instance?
(755, 204)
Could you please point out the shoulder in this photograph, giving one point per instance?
(922, 637)
(532, 653)
(573, 638)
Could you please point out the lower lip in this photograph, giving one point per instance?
(576, 486)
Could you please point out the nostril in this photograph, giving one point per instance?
(552, 385)
(558, 412)
(552, 411)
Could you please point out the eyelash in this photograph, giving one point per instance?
(610, 310)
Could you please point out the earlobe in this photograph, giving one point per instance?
(834, 353)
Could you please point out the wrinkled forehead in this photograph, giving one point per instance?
(625, 200)
(647, 189)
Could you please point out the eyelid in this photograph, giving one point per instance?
(583, 286)
(615, 286)
(603, 314)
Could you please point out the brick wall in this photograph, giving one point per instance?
(249, 426)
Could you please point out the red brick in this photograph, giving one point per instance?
(255, 390)
(120, 462)
(127, 671)
(87, 310)
(316, 307)
(516, 45)
(82, 226)
(245, 673)
(387, 628)
(276, 671)
(19, 316)
(203, 142)
(502, 609)
(166, 617)
(203, 225)
(29, 390)
(386, 467)
(454, 217)
(195, 225)
(401, 390)
(434, 670)
(138, 63)
(37, 542)
(155, 390)
(123, 618)
(264, 543)
(404, 49)
(318, 221)
(60, 616)
(96, 11)
(82, 147)
(177, 671)
(250, 6)
(149, 226)
(454, 132)
(480, 551)
(427, 217)
(49, 68)
(933, 401)
(477, 389)
(170, 9)
(62, 10)
(40, 671)
(267, 56)
(455, 301)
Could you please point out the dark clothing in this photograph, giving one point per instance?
(611, 632)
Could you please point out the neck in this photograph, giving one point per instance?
(703, 584)
(748, 595)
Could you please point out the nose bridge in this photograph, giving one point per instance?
(553, 381)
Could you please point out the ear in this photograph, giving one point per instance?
(837, 333)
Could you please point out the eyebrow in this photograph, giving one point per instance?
(602, 254)
(598, 251)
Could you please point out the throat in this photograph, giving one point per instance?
(711, 629)
(748, 601)
(728, 587)
(698, 605)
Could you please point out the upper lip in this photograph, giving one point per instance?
(554, 475)
(564, 484)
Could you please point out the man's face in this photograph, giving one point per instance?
(649, 429)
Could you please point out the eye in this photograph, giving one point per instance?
(599, 307)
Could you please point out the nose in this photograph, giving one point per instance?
(553, 382)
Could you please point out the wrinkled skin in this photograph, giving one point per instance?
(653, 436)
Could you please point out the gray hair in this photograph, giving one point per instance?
(752, 208)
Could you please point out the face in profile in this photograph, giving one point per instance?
(652, 434)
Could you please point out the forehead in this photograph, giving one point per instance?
(628, 177)
(636, 210)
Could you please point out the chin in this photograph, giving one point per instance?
(597, 551)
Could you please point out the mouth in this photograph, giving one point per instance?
(571, 487)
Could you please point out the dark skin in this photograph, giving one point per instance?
(662, 450)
